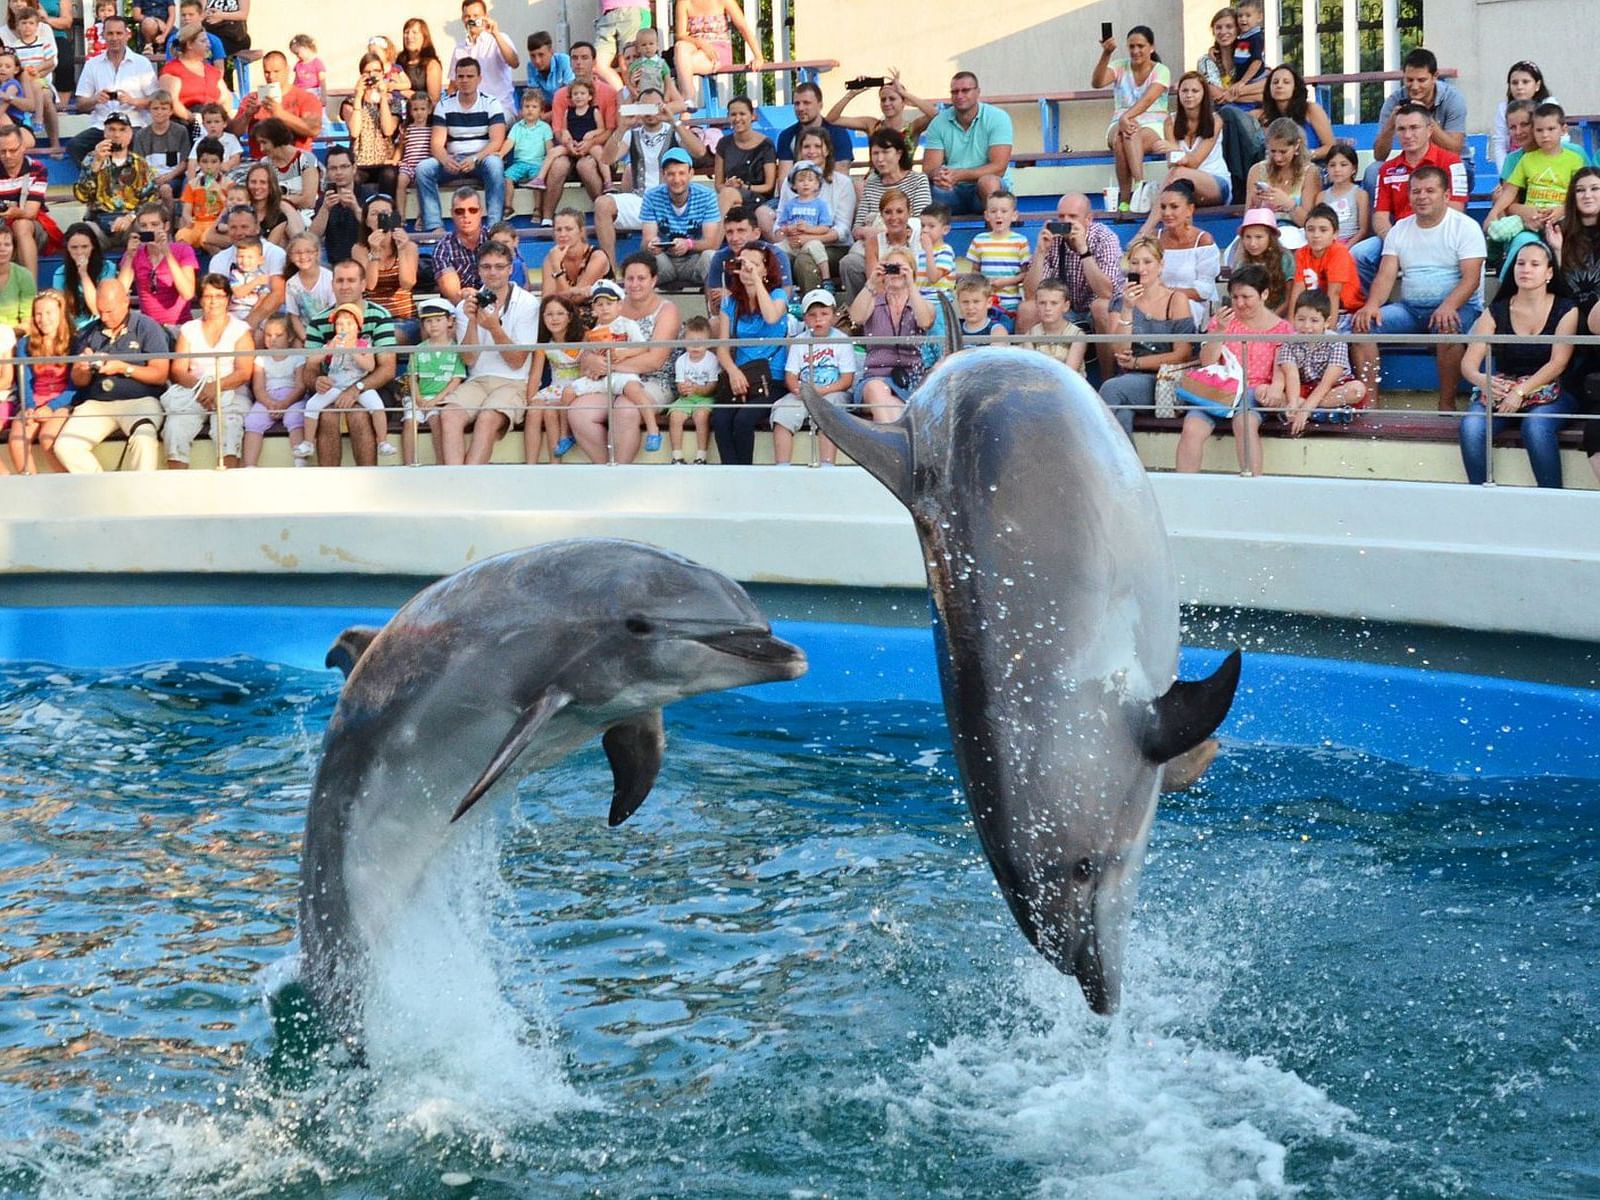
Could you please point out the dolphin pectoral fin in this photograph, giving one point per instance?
(1191, 711)
(884, 450)
(634, 748)
(1184, 771)
(534, 718)
(348, 648)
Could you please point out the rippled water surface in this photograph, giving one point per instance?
(790, 975)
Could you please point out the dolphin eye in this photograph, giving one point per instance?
(637, 624)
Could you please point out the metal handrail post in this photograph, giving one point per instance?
(1487, 395)
(219, 433)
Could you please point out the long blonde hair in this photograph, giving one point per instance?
(63, 338)
(1285, 130)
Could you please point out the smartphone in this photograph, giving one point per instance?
(893, 269)
(147, 235)
(272, 92)
(637, 110)
(1263, 186)
(1060, 228)
(1131, 276)
(1105, 31)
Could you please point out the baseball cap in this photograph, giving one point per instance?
(805, 164)
(677, 154)
(818, 296)
(604, 287)
(435, 307)
(118, 116)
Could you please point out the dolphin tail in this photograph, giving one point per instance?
(1190, 712)
(634, 749)
(884, 450)
(534, 718)
(349, 646)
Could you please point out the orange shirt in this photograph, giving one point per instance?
(1334, 266)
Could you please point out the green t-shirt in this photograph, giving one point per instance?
(1545, 178)
(434, 369)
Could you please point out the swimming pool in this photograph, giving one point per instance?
(1362, 964)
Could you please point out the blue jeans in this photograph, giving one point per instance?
(1541, 431)
(1368, 253)
(489, 175)
(961, 200)
(1399, 317)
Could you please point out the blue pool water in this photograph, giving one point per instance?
(1364, 963)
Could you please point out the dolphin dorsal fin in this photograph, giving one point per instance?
(884, 450)
(634, 747)
(349, 646)
(531, 720)
(1190, 712)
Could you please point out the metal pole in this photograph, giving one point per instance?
(752, 81)
(1391, 35)
(1487, 395)
(219, 434)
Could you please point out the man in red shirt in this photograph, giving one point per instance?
(1413, 129)
(278, 97)
(605, 96)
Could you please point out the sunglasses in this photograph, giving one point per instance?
(457, 212)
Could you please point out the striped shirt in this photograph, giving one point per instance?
(467, 128)
(27, 187)
(377, 326)
(998, 255)
(914, 185)
(699, 210)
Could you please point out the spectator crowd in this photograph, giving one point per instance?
(273, 261)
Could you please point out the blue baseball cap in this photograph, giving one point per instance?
(677, 154)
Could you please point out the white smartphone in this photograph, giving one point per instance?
(638, 110)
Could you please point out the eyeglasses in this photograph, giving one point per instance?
(462, 212)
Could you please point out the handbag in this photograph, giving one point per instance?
(1167, 390)
(1217, 387)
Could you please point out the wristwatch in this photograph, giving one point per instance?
(1087, 254)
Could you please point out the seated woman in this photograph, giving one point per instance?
(1525, 386)
(1195, 135)
(197, 396)
(1235, 80)
(279, 221)
(389, 257)
(1248, 313)
(752, 376)
(160, 272)
(84, 265)
(1138, 86)
(573, 265)
(299, 176)
(1287, 98)
(1575, 241)
(1190, 260)
(891, 305)
(1153, 318)
(746, 170)
(815, 146)
(17, 285)
(702, 44)
(1287, 182)
(44, 390)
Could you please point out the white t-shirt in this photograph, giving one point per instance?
(133, 75)
(273, 258)
(8, 346)
(521, 324)
(1430, 259)
(309, 303)
(697, 373)
(822, 361)
(495, 77)
(231, 146)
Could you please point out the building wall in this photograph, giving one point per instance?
(1482, 38)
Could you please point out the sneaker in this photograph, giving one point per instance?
(565, 444)
(1143, 196)
(547, 223)
(387, 449)
(652, 443)
(678, 460)
(700, 459)
(304, 450)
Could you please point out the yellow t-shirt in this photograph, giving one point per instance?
(1545, 178)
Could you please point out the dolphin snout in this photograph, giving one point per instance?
(773, 658)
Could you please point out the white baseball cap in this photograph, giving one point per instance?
(818, 296)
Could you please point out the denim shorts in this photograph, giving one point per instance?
(1212, 411)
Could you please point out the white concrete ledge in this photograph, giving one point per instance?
(1503, 559)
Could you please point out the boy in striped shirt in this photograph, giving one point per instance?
(1000, 254)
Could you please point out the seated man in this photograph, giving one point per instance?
(114, 393)
(23, 184)
(377, 326)
(114, 182)
(808, 115)
(644, 142)
(1440, 101)
(1413, 127)
(242, 225)
(455, 256)
(1437, 256)
(740, 229)
(492, 399)
(680, 223)
(278, 97)
(469, 128)
(966, 152)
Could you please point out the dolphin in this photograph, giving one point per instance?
(1056, 612)
(483, 677)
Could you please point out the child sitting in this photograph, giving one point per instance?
(278, 390)
(972, 301)
(827, 361)
(1314, 374)
(35, 47)
(560, 320)
(605, 304)
(1000, 254)
(696, 373)
(1258, 245)
(527, 144)
(252, 285)
(1324, 264)
(434, 373)
(805, 216)
(308, 285)
(204, 197)
(347, 361)
(214, 124)
(20, 109)
(1051, 299)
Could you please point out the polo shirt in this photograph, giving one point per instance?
(521, 324)
(1394, 180)
(549, 82)
(133, 75)
(467, 126)
(968, 149)
(844, 148)
(139, 335)
(1449, 110)
(494, 75)
(699, 210)
(377, 326)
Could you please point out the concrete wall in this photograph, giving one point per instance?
(1482, 38)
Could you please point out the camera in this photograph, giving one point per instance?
(1131, 276)
(474, 24)
(370, 80)
(485, 297)
(893, 269)
(147, 235)
(862, 83)
(388, 222)
(1059, 228)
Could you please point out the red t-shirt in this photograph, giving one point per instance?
(297, 102)
(1394, 181)
(1335, 266)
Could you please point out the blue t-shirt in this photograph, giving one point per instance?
(813, 211)
(530, 143)
(754, 325)
(699, 210)
(552, 81)
(215, 54)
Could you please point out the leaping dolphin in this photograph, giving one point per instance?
(481, 678)
(1057, 617)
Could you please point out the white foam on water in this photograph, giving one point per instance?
(1140, 1105)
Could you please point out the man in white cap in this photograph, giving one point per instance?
(680, 223)
(824, 358)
